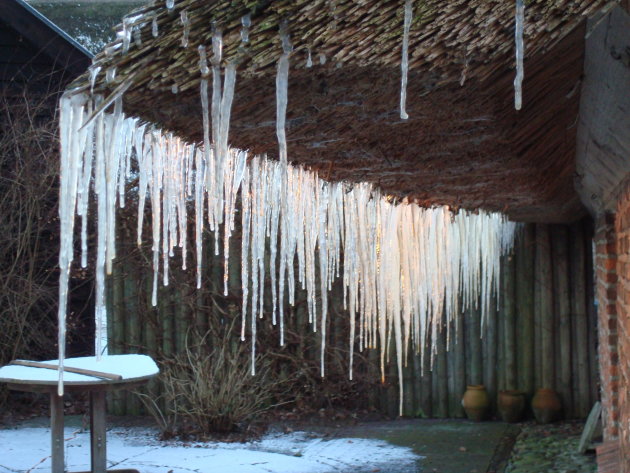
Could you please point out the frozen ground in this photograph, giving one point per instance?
(27, 449)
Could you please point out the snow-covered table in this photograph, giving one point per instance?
(95, 377)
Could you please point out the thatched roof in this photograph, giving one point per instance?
(463, 144)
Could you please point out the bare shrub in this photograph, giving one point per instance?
(28, 226)
(209, 388)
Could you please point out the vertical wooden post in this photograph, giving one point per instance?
(578, 308)
(509, 327)
(543, 252)
(133, 327)
(459, 354)
(473, 354)
(165, 310)
(119, 400)
(180, 311)
(560, 252)
(591, 312)
(440, 370)
(491, 368)
(525, 308)
(427, 379)
(417, 383)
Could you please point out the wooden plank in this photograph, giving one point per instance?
(165, 309)
(560, 250)
(180, 311)
(474, 369)
(427, 380)
(537, 309)
(69, 369)
(593, 356)
(579, 316)
(509, 315)
(591, 428)
(500, 342)
(133, 327)
(459, 355)
(440, 379)
(525, 308)
(546, 307)
(489, 341)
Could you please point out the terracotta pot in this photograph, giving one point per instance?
(546, 406)
(476, 402)
(511, 405)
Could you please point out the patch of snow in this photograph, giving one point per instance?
(127, 366)
(28, 449)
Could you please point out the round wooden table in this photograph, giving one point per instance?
(88, 375)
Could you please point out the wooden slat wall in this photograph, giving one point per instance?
(541, 335)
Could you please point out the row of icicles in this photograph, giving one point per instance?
(403, 267)
(131, 33)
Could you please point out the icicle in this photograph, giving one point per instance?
(518, 37)
(101, 190)
(170, 4)
(71, 165)
(94, 70)
(110, 75)
(309, 58)
(174, 88)
(126, 35)
(245, 229)
(214, 178)
(322, 59)
(137, 36)
(203, 61)
(199, 180)
(232, 181)
(246, 22)
(84, 184)
(404, 66)
(282, 85)
(154, 27)
(145, 175)
(186, 24)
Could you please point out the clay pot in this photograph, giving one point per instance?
(546, 406)
(511, 405)
(476, 402)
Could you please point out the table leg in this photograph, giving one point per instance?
(97, 431)
(56, 432)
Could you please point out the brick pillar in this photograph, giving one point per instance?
(622, 227)
(606, 275)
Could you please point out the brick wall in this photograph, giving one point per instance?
(606, 268)
(622, 228)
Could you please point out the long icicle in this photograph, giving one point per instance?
(520, 52)
(404, 64)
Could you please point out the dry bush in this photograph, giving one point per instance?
(28, 226)
(209, 388)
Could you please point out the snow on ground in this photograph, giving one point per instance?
(28, 450)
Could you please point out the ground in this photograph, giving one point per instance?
(324, 443)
